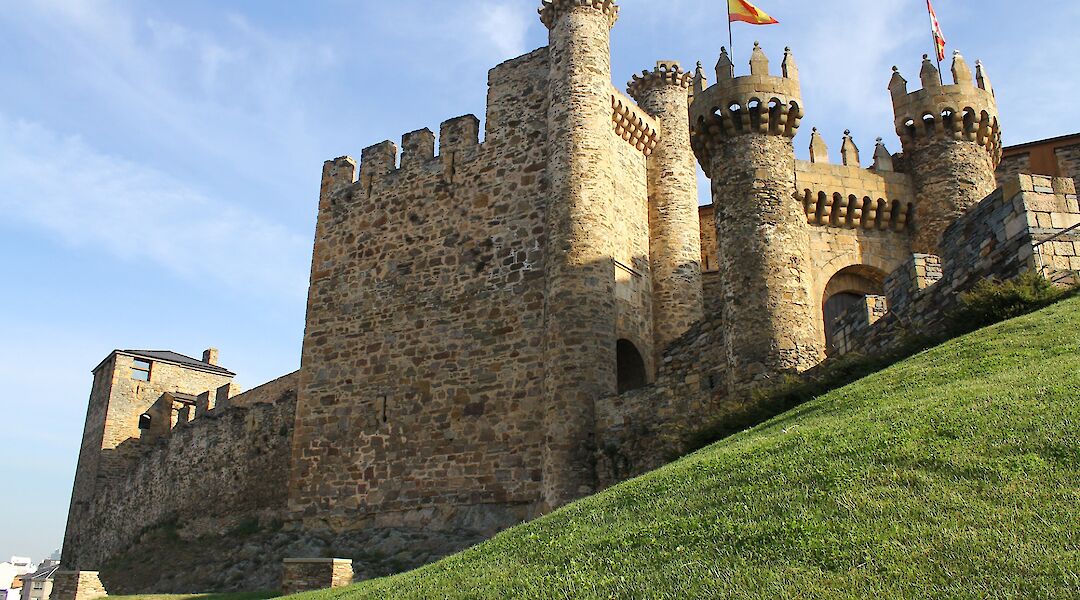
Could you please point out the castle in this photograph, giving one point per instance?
(496, 329)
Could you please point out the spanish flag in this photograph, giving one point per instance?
(741, 10)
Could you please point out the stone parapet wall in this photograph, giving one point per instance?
(210, 475)
(306, 575)
(1023, 226)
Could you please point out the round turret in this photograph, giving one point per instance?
(741, 131)
(952, 143)
(675, 232)
(758, 103)
(580, 318)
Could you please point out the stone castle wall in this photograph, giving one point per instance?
(112, 423)
(208, 476)
(423, 356)
(1020, 227)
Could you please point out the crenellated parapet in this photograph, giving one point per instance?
(666, 73)
(551, 9)
(759, 103)
(964, 111)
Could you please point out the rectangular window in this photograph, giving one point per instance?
(141, 370)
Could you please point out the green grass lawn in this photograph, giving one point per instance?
(241, 596)
(954, 474)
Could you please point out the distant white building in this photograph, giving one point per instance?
(38, 585)
(18, 565)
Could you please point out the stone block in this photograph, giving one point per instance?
(1064, 220)
(77, 585)
(310, 574)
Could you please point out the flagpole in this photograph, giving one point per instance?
(731, 39)
(934, 41)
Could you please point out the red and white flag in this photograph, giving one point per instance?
(939, 38)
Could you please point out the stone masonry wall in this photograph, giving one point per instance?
(1068, 158)
(709, 250)
(633, 271)
(305, 575)
(1022, 226)
(423, 357)
(112, 424)
(77, 585)
(224, 468)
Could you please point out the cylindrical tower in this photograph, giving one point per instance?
(741, 133)
(674, 231)
(580, 344)
(952, 145)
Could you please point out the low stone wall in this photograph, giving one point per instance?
(77, 585)
(310, 574)
(1022, 226)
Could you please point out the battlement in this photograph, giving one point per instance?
(552, 9)
(666, 73)
(758, 103)
(964, 111)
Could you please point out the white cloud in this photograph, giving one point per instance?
(504, 27)
(63, 186)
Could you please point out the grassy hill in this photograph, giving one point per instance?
(954, 474)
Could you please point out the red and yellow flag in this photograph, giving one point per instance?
(939, 37)
(743, 11)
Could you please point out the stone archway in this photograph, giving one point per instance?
(848, 287)
(631, 367)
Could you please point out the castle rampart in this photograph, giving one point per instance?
(495, 328)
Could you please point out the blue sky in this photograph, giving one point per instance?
(160, 161)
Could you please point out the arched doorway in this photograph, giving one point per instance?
(631, 367)
(849, 287)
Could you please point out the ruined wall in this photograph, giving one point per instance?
(423, 357)
(112, 423)
(209, 476)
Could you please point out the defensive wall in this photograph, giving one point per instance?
(210, 475)
(497, 327)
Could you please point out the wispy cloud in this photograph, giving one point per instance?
(64, 187)
(504, 27)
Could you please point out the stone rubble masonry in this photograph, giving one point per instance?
(459, 371)
(952, 142)
(111, 433)
(765, 274)
(77, 585)
(580, 294)
(673, 212)
(310, 574)
(1068, 158)
(220, 470)
(1022, 226)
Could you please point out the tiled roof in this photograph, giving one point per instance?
(177, 358)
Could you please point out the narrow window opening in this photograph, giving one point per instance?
(140, 370)
(631, 367)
